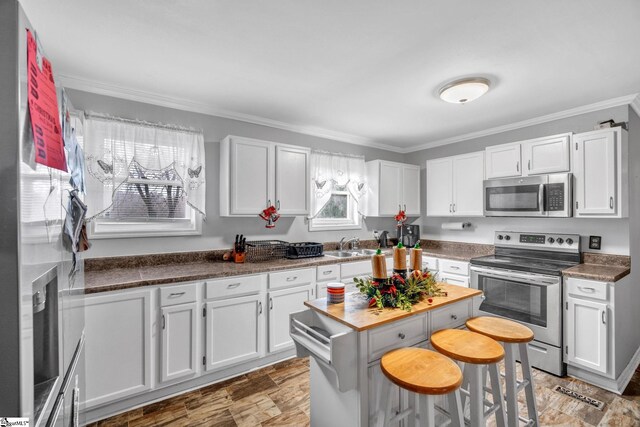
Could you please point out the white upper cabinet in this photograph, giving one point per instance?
(392, 187)
(454, 185)
(503, 161)
(292, 180)
(549, 154)
(546, 155)
(600, 173)
(255, 174)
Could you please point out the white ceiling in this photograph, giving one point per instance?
(367, 71)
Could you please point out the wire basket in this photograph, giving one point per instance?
(305, 250)
(264, 250)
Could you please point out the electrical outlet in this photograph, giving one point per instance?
(595, 242)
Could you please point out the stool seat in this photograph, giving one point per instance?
(421, 371)
(467, 347)
(500, 329)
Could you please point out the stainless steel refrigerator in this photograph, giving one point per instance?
(41, 301)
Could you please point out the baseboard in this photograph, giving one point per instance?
(101, 412)
(626, 375)
(617, 385)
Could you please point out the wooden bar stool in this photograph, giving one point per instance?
(426, 374)
(478, 353)
(513, 336)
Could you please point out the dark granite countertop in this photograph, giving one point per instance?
(110, 274)
(601, 267)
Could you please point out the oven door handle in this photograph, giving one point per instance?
(510, 274)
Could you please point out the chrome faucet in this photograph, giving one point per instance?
(355, 243)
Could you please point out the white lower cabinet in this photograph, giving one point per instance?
(178, 354)
(587, 334)
(282, 302)
(234, 331)
(119, 356)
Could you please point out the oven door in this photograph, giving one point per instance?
(515, 197)
(531, 299)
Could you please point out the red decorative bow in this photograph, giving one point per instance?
(401, 217)
(270, 215)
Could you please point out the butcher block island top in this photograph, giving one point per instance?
(355, 312)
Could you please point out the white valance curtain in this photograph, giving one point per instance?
(123, 151)
(331, 170)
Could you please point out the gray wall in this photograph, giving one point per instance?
(219, 232)
(614, 232)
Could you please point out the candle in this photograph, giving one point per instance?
(416, 258)
(400, 258)
(379, 265)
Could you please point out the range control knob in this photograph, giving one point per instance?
(507, 237)
(500, 237)
(559, 240)
(569, 241)
(551, 240)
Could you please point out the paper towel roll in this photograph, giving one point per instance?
(456, 225)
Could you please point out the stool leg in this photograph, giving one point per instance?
(511, 385)
(427, 410)
(410, 402)
(528, 390)
(496, 391)
(476, 392)
(455, 409)
(384, 404)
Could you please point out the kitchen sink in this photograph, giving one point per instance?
(350, 253)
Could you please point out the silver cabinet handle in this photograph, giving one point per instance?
(233, 285)
(176, 294)
(603, 317)
(270, 303)
(327, 272)
(450, 207)
(278, 204)
(529, 165)
(587, 290)
(268, 202)
(259, 307)
(454, 316)
(611, 202)
(454, 207)
(405, 207)
(401, 336)
(164, 322)
(517, 166)
(291, 278)
(455, 267)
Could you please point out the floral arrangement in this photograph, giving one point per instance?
(398, 292)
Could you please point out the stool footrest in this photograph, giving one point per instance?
(401, 415)
(520, 384)
(527, 421)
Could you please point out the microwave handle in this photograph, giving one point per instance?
(541, 198)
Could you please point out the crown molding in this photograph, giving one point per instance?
(635, 104)
(107, 89)
(633, 100)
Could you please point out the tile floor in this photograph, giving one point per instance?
(278, 395)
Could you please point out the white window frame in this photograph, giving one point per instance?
(329, 224)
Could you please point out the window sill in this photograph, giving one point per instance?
(333, 227)
(122, 230)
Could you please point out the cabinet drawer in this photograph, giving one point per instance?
(395, 335)
(429, 263)
(454, 279)
(328, 273)
(588, 288)
(349, 270)
(180, 294)
(242, 285)
(285, 279)
(450, 317)
(454, 267)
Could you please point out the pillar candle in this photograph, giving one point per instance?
(400, 257)
(416, 259)
(379, 265)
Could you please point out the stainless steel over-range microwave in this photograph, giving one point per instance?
(542, 195)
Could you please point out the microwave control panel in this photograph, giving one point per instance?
(554, 197)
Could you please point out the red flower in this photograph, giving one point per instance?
(372, 302)
(392, 290)
(429, 300)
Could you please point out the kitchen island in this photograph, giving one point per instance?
(347, 340)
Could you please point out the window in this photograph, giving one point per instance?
(143, 179)
(339, 213)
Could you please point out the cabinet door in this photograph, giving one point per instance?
(118, 346)
(292, 180)
(281, 304)
(178, 358)
(440, 187)
(390, 188)
(411, 190)
(251, 174)
(586, 329)
(468, 175)
(503, 161)
(595, 173)
(376, 377)
(547, 155)
(234, 331)
(454, 279)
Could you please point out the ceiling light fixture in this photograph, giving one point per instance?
(464, 90)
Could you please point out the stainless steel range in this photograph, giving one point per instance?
(523, 282)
